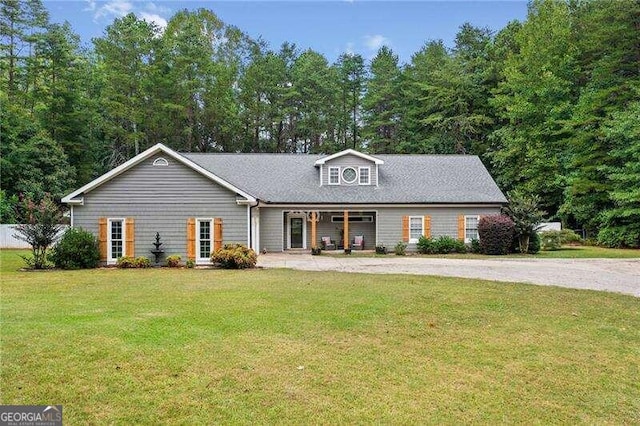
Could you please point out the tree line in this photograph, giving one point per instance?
(550, 104)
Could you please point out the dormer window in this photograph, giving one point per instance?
(334, 175)
(349, 174)
(365, 178)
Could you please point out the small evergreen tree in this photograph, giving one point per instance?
(525, 212)
(40, 229)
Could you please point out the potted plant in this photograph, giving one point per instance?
(381, 249)
(316, 251)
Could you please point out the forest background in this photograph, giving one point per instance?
(550, 104)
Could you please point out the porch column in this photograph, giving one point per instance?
(346, 230)
(313, 230)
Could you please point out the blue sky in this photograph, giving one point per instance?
(330, 27)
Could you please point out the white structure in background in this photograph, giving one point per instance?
(7, 240)
(550, 226)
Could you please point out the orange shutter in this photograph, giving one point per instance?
(191, 238)
(129, 249)
(427, 226)
(405, 229)
(102, 238)
(217, 233)
(461, 227)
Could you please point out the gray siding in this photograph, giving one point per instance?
(161, 199)
(349, 161)
(444, 221)
(272, 229)
(387, 225)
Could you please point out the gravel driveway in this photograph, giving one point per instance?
(615, 275)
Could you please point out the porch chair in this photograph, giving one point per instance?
(328, 243)
(358, 242)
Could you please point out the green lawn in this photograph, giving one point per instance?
(281, 346)
(566, 252)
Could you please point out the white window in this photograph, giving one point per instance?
(160, 162)
(364, 175)
(116, 239)
(470, 228)
(349, 174)
(204, 241)
(415, 228)
(334, 175)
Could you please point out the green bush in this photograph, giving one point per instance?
(474, 247)
(190, 263)
(551, 240)
(496, 234)
(444, 244)
(235, 256)
(126, 262)
(534, 243)
(400, 249)
(173, 261)
(142, 262)
(568, 236)
(425, 245)
(76, 249)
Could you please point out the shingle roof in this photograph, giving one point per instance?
(293, 178)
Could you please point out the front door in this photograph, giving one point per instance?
(297, 232)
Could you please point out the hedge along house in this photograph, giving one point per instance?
(280, 202)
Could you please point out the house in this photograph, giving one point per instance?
(280, 202)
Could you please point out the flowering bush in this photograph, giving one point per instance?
(173, 261)
(235, 256)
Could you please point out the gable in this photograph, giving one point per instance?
(173, 183)
(76, 197)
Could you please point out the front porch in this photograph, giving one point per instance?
(305, 230)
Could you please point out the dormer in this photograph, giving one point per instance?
(349, 168)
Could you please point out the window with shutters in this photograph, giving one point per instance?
(204, 239)
(415, 228)
(116, 239)
(470, 228)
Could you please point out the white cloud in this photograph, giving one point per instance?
(375, 42)
(91, 5)
(155, 8)
(154, 18)
(113, 9)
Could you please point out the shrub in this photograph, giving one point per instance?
(77, 249)
(173, 261)
(425, 245)
(142, 262)
(445, 245)
(400, 249)
(126, 262)
(496, 234)
(551, 240)
(568, 236)
(534, 243)
(381, 249)
(235, 256)
(474, 247)
(190, 263)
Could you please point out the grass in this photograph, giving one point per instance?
(566, 252)
(281, 346)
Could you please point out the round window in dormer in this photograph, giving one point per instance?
(349, 174)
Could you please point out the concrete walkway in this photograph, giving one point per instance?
(615, 275)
